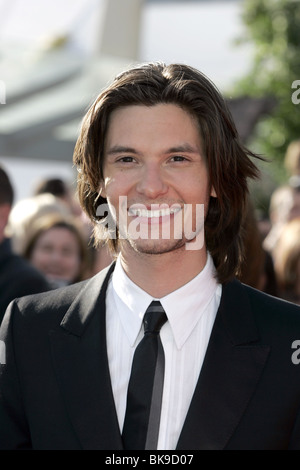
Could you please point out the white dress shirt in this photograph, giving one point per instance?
(191, 311)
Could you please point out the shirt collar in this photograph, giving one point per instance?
(184, 307)
(131, 302)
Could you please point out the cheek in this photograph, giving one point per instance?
(206, 203)
(199, 194)
(105, 186)
(120, 183)
(199, 208)
(111, 181)
(37, 255)
(73, 264)
(117, 193)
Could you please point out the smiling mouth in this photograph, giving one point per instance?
(151, 214)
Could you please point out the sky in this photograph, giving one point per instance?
(199, 33)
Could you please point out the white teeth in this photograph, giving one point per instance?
(153, 213)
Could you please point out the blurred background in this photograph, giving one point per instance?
(56, 56)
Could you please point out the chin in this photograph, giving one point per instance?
(156, 247)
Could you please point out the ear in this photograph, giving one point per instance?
(213, 192)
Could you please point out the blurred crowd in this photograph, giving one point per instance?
(46, 241)
(272, 260)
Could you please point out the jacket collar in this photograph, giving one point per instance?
(234, 310)
(85, 304)
(236, 314)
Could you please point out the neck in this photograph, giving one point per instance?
(161, 274)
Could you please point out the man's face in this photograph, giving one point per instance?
(155, 177)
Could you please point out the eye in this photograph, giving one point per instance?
(126, 159)
(178, 158)
(46, 248)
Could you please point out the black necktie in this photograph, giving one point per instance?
(141, 425)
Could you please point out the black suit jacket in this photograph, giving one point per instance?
(17, 277)
(56, 391)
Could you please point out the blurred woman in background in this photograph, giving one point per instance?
(287, 261)
(56, 246)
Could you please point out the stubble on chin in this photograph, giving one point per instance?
(153, 247)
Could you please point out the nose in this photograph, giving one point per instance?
(55, 257)
(152, 183)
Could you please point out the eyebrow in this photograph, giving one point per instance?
(120, 149)
(116, 149)
(183, 148)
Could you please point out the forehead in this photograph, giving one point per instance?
(57, 233)
(163, 119)
(144, 109)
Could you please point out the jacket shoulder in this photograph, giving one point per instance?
(273, 311)
(53, 298)
(249, 314)
(264, 300)
(55, 303)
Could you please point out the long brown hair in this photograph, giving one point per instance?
(229, 163)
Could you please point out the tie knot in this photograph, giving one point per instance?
(154, 317)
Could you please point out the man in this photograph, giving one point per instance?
(17, 276)
(158, 155)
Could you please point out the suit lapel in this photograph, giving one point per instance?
(233, 364)
(81, 363)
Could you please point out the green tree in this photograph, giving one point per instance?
(272, 27)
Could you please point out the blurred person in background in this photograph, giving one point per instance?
(287, 261)
(257, 268)
(99, 257)
(285, 200)
(60, 189)
(17, 276)
(284, 206)
(292, 163)
(26, 211)
(56, 246)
